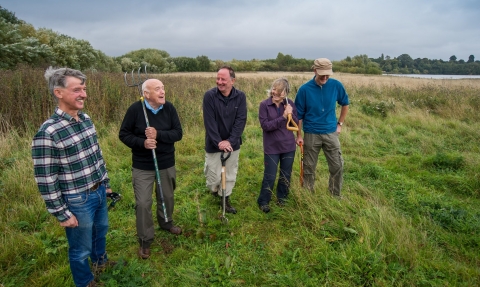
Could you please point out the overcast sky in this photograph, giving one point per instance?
(260, 29)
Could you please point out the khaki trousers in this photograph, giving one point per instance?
(330, 144)
(213, 171)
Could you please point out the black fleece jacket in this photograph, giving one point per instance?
(169, 131)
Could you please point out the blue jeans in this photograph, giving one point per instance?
(270, 173)
(88, 239)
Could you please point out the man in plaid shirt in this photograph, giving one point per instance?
(71, 175)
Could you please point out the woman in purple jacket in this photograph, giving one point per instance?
(278, 142)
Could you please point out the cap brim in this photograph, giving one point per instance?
(324, 72)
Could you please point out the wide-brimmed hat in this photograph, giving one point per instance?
(323, 66)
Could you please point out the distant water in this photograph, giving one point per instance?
(453, 77)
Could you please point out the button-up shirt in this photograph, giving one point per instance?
(67, 160)
(276, 138)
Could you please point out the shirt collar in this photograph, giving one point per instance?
(68, 117)
(270, 101)
(232, 91)
(154, 111)
(318, 83)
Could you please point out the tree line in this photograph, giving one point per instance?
(404, 64)
(22, 44)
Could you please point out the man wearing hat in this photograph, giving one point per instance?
(316, 102)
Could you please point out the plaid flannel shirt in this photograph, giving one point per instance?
(67, 160)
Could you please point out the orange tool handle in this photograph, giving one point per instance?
(291, 124)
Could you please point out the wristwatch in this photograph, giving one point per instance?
(340, 123)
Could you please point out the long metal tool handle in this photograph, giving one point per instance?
(157, 173)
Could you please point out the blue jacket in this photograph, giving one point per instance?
(224, 118)
(316, 105)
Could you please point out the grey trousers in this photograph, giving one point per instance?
(330, 144)
(143, 185)
(213, 172)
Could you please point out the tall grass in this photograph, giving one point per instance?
(409, 215)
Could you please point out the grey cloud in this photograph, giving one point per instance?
(260, 29)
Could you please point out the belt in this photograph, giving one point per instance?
(95, 186)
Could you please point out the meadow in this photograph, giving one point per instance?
(409, 215)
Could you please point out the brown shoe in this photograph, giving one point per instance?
(175, 230)
(144, 253)
(92, 284)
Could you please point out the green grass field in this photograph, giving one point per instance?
(409, 215)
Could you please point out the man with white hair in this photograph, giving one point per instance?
(165, 129)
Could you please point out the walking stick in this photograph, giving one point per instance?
(224, 185)
(138, 83)
(301, 164)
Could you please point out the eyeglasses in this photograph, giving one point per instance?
(323, 76)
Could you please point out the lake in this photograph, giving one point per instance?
(435, 76)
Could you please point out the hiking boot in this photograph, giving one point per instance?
(228, 207)
(175, 230)
(92, 284)
(265, 208)
(144, 253)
